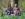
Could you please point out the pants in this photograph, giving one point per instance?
(15, 14)
(8, 12)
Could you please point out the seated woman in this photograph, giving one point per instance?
(10, 9)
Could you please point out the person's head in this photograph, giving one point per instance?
(15, 5)
(9, 5)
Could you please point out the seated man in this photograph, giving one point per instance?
(16, 10)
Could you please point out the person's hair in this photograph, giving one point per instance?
(8, 5)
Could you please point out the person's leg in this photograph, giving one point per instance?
(16, 14)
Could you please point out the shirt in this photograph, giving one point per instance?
(10, 9)
(15, 10)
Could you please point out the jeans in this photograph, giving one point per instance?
(15, 14)
(8, 13)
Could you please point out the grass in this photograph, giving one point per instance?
(14, 17)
